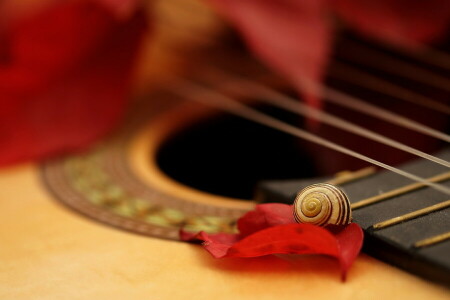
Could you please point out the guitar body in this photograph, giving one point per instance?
(50, 252)
(55, 242)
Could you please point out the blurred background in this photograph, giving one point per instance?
(72, 71)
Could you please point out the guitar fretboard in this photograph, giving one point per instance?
(418, 244)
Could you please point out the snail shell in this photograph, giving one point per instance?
(322, 204)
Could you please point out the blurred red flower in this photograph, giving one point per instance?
(64, 77)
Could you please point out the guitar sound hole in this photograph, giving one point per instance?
(228, 156)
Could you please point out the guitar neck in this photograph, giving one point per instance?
(388, 237)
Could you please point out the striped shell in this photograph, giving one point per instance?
(322, 204)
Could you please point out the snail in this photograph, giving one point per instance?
(322, 204)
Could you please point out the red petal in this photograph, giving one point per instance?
(291, 36)
(66, 78)
(402, 22)
(343, 245)
(286, 239)
(217, 244)
(350, 241)
(265, 215)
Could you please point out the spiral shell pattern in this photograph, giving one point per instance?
(322, 204)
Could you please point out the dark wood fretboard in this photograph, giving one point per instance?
(397, 244)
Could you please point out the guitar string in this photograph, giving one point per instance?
(353, 103)
(432, 56)
(247, 88)
(423, 53)
(382, 61)
(188, 89)
(337, 97)
(364, 79)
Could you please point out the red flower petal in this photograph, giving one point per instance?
(265, 215)
(350, 241)
(293, 37)
(217, 244)
(286, 239)
(402, 22)
(265, 232)
(64, 79)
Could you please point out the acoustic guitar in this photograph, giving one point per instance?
(104, 224)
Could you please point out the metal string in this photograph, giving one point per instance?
(423, 53)
(359, 77)
(340, 98)
(382, 61)
(190, 90)
(337, 97)
(432, 56)
(439, 58)
(249, 88)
